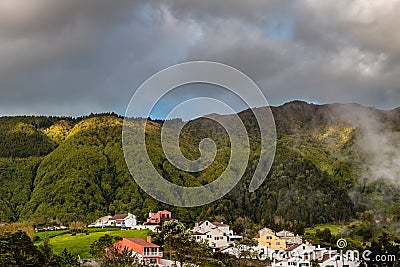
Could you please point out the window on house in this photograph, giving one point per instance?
(278, 243)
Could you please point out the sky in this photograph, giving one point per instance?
(74, 57)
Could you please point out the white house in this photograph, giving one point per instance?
(119, 220)
(101, 222)
(215, 238)
(303, 251)
(124, 220)
(206, 226)
(337, 260)
(301, 255)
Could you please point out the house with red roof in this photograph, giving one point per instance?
(159, 217)
(145, 250)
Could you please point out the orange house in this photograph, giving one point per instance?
(145, 250)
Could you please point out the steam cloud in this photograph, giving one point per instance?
(377, 139)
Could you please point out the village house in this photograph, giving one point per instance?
(267, 238)
(101, 222)
(159, 217)
(127, 220)
(304, 251)
(206, 226)
(290, 237)
(216, 238)
(145, 250)
(303, 254)
(337, 260)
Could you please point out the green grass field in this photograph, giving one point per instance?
(334, 228)
(80, 244)
(50, 234)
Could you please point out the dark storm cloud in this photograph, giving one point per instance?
(74, 57)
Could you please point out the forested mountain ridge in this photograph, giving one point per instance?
(70, 169)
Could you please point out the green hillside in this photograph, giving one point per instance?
(73, 169)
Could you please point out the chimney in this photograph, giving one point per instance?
(148, 239)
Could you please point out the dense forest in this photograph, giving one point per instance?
(72, 169)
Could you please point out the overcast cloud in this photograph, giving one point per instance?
(73, 57)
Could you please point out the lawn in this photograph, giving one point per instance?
(80, 244)
(50, 234)
(334, 228)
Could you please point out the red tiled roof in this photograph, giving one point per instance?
(142, 242)
(257, 235)
(119, 217)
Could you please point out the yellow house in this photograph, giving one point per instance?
(270, 240)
